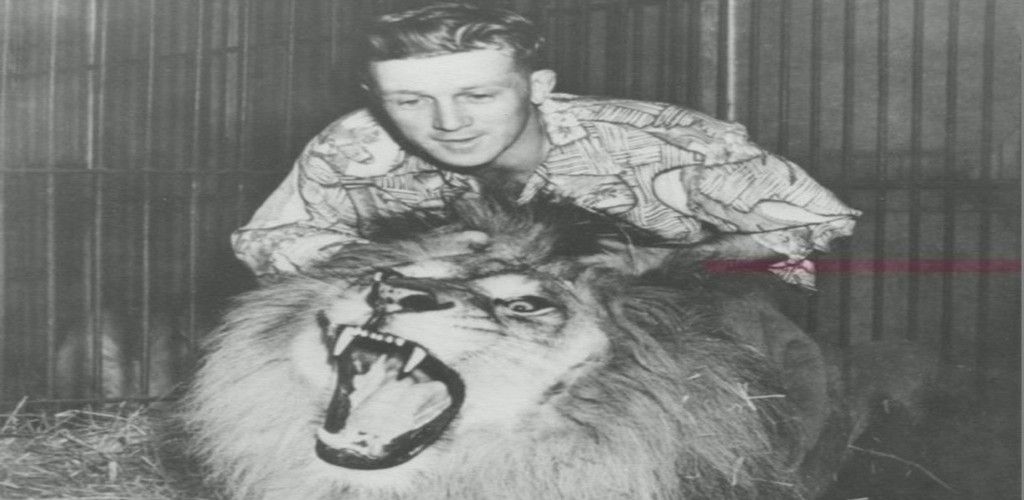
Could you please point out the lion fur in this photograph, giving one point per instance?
(676, 408)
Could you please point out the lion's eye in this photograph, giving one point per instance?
(525, 305)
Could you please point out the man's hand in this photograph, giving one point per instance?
(306, 252)
(629, 258)
(639, 259)
(734, 247)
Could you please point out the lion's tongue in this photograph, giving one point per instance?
(398, 407)
(383, 406)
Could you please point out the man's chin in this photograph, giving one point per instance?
(463, 161)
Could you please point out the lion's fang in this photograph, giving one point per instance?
(346, 334)
(417, 357)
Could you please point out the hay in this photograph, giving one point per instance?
(108, 454)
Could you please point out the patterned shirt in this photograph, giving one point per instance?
(677, 173)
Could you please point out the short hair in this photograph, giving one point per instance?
(449, 28)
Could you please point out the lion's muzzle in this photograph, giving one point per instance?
(392, 399)
(393, 293)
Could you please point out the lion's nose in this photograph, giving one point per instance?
(392, 292)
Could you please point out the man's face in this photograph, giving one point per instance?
(466, 109)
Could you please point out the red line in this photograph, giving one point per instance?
(880, 266)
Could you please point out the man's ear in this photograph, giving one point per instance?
(542, 83)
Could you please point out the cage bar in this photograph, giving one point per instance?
(916, 122)
(51, 206)
(811, 321)
(949, 215)
(694, 63)
(666, 59)
(754, 67)
(725, 86)
(635, 67)
(785, 26)
(242, 97)
(984, 242)
(616, 49)
(95, 271)
(147, 206)
(199, 155)
(849, 116)
(289, 87)
(881, 170)
(5, 37)
(582, 61)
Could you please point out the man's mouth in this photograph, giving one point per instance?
(458, 143)
(393, 399)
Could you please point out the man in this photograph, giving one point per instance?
(462, 107)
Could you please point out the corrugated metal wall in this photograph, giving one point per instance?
(136, 134)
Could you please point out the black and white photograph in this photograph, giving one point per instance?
(510, 249)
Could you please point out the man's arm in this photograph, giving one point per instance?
(761, 206)
(309, 217)
(283, 237)
(735, 247)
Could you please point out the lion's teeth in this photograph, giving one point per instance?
(417, 357)
(346, 335)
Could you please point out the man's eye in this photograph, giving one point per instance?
(480, 97)
(407, 102)
(525, 305)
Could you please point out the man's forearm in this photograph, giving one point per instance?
(735, 247)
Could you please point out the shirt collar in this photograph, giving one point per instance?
(561, 126)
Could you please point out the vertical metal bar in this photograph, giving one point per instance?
(849, 120)
(242, 130)
(199, 155)
(815, 125)
(849, 85)
(754, 55)
(616, 48)
(694, 61)
(948, 200)
(584, 59)
(289, 87)
(816, 59)
(881, 171)
(635, 67)
(147, 205)
(726, 94)
(985, 229)
(5, 41)
(95, 276)
(666, 60)
(785, 25)
(335, 37)
(51, 206)
(916, 107)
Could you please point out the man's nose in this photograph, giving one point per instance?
(449, 116)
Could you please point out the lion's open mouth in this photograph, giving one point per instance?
(392, 400)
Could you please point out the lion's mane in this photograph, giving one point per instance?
(678, 409)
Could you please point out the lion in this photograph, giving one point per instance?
(490, 358)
